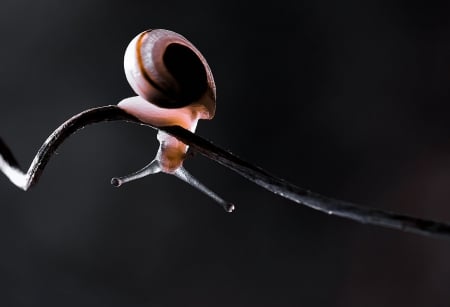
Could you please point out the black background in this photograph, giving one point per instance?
(349, 99)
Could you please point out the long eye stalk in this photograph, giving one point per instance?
(152, 168)
(184, 175)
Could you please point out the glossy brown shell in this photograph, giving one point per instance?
(165, 69)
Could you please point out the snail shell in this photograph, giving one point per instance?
(165, 69)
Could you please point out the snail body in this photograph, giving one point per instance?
(171, 152)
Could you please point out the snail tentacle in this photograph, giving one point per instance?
(184, 175)
(151, 168)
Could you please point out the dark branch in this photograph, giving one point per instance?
(253, 173)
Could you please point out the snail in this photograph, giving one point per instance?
(174, 87)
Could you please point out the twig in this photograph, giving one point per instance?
(365, 215)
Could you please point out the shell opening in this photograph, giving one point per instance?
(186, 67)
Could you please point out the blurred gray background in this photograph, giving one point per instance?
(349, 99)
